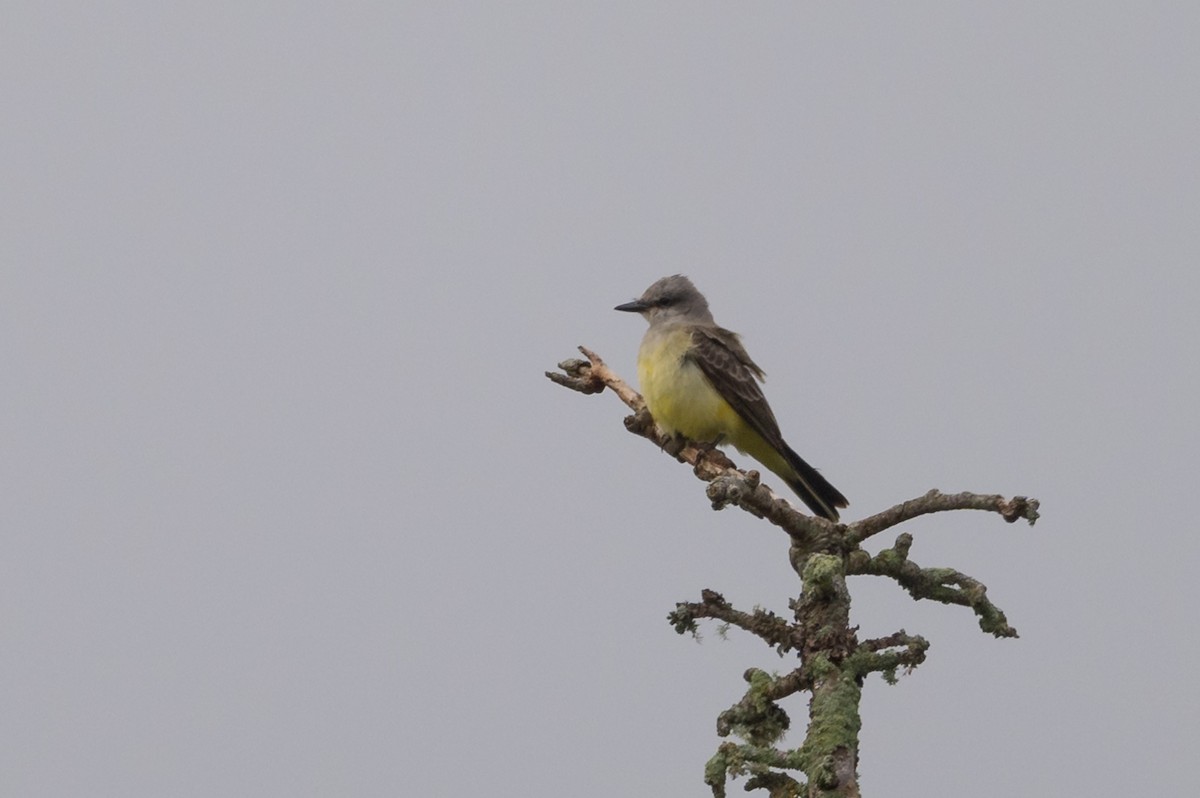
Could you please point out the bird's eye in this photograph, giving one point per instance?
(665, 301)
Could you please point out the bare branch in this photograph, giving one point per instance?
(937, 502)
(728, 485)
(763, 623)
(593, 376)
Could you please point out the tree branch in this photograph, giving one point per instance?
(741, 760)
(885, 655)
(728, 485)
(833, 663)
(940, 584)
(770, 627)
(937, 502)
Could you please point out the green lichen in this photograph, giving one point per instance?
(821, 571)
(833, 727)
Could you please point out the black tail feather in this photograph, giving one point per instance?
(813, 489)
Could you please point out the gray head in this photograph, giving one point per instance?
(672, 298)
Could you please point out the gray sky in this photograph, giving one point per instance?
(289, 509)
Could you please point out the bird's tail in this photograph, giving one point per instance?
(812, 488)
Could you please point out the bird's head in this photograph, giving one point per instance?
(668, 299)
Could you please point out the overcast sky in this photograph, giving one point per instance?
(290, 510)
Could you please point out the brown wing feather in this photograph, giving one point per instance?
(724, 361)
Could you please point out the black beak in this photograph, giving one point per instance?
(636, 306)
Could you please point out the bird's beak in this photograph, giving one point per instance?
(636, 306)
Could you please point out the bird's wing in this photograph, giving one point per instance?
(724, 361)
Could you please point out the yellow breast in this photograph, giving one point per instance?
(679, 396)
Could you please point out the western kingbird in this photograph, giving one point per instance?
(699, 382)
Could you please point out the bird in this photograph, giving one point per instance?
(699, 383)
